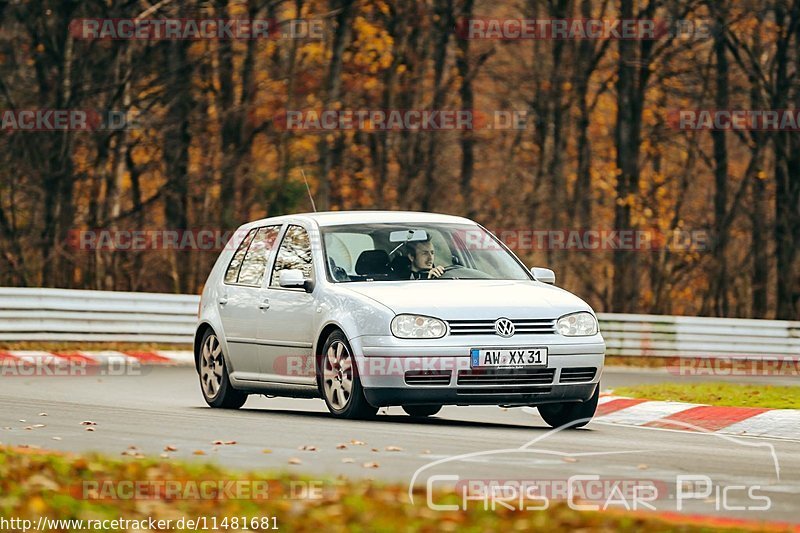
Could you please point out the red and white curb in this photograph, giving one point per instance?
(105, 357)
(740, 421)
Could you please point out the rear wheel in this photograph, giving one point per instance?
(422, 410)
(214, 380)
(339, 380)
(574, 415)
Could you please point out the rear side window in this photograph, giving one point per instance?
(254, 265)
(294, 254)
(232, 274)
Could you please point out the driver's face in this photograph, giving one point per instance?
(424, 258)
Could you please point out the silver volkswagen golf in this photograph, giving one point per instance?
(368, 309)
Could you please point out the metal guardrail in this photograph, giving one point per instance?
(705, 337)
(75, 315)
(99, 316)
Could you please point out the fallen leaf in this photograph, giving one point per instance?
(217, 443)
(90, 428)
(357, 442)
(307, 448)
(266, 450)
(426, 452)
(28, 428)
(88, 423)
(56, 438)
(295, 461)
(569, 459)
(375, 450)
(393, 449)
(348, 460)
(642, 466)
(371, 464)
(38, 426)
(341, 446)
(198, 452)
(229, 442)
(170, 448)
(22, 420)
(42, 414)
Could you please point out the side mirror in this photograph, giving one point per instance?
(545, 275)
(295, 279)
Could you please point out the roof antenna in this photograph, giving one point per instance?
(314, 207)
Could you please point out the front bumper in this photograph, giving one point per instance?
(383, 397)
(401, 372)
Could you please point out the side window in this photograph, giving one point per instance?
(232, 273)
(294, 254)
(254, 265)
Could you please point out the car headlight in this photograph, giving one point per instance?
(417, 327)
(577, 325)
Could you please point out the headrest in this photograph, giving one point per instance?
(373, 262)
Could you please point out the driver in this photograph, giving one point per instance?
(421, 254)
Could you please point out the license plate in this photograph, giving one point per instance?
(508, 357)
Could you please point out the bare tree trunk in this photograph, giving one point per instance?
(443, 26)
(177, 139)
(333, 89)
(787, 173)
(720, 278)
(467, 102)
(626, 263)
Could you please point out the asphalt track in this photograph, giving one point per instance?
(163, 406)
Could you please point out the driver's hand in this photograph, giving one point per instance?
(436, 272)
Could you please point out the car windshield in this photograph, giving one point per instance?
(391, 252)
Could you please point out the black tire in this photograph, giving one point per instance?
(350, 404)
(219, 393)
(421, 410)
(563, 414)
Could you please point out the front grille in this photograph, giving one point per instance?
(506, 376)
(428, 377)
(528, 391)
(533, 326)
(577, 375)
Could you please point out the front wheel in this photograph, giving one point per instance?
(340, 383)
(574, 415)
(214, 380)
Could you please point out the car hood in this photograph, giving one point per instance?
(472, 299)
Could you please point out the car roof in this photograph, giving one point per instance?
(336, 218)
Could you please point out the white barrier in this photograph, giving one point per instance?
(99, 316)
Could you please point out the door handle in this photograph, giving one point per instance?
(264, 304)
(223, 300)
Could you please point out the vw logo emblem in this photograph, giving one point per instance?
(504, 327)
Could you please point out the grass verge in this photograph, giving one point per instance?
(722, 394)
(35, 483)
